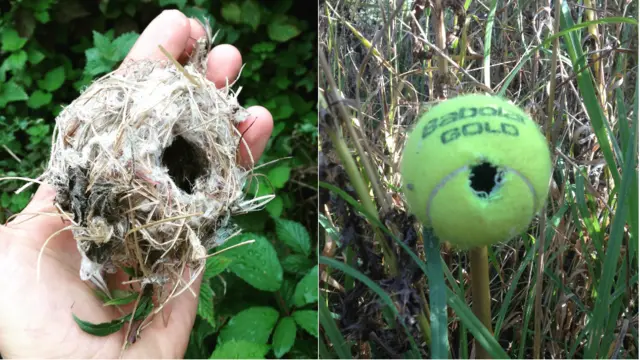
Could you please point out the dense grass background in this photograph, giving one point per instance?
(51, 49)
(568, 288)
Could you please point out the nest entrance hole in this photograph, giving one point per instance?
(186, 163)
(485, 178)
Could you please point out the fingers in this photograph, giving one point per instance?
(256, 130)
(171, 29)
(223, 64)
(42, 199)
(170, 339)
(197, 32)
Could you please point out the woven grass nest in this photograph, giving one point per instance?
(144, 166)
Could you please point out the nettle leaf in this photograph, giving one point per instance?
(254, 324)
(275, 207)
(200, 14)
(240, 350)
(39, 99)
(10, 92)
(53, 79)
(279, 176)
(308, 320)
(215, 266)
(297, 264)
(259, 186)
(15, 61)
(294, 235)
(263, 47)
(102, 43)
(35, 56)
(251, 13)
(280, 29)
(256, 263)
(5, 200)
(307, 289)
(231, 12)
(123, 45)
(11, 40)
(205, 303)
(284, 337)
(96, 64)
(287, 290)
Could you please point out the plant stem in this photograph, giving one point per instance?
(480, 292)
(359, 185)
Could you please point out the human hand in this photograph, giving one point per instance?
(35, 317)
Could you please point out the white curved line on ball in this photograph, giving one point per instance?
(440, 185)
(457, 171)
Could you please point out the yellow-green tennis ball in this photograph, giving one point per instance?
(476, 169)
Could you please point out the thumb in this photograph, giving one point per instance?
(32, 217)
(42, 200)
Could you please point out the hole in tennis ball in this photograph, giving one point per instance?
(485, 178)
(185, 163)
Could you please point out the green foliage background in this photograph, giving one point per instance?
(258, 300)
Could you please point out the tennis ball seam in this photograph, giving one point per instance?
(454, 173)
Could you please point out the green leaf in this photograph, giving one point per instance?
(123, 45)
(205, 303)
(259, 186)
(307, 289)
(102, 329)
(275, 207)
(10, 92)
(282, 6)
(96, 64)
(15, 61)
(240, 350)
(215, 266)
(297, 264)
(42, 16)
(294, 235)
(102, 43)
(281, 30)
(122, 299)
(331, 331)
(308, 320)
(53, 79)
(35, 56)
(129, 271)
(25, 23)
(253, 324)
(279, 176)
(284, 337)
(5, 200)
(231, 12)
(251, 13)
(178, 3)
(199, 14)
(256, 263)
(11, 41)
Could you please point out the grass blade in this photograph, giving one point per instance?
(612, 255)
(437, 297)
(340, 345)
(386, 299)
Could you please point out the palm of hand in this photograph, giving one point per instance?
(37, 316)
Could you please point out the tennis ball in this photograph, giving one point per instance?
(476, 169)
